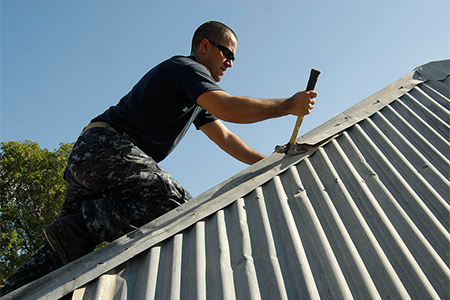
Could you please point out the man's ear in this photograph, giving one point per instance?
(204, 46)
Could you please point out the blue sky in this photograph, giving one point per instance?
(64, 62)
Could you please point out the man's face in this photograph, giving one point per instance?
(215, 56)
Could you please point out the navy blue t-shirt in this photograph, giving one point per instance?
(159, 109)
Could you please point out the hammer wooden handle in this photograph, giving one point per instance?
(313, 76)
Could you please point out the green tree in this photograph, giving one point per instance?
(31, 193)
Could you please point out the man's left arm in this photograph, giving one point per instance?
(230, 142)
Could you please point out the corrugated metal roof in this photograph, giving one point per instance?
(363, 215)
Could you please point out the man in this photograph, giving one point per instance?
(114, 184)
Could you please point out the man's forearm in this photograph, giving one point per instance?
(239, 109)
(240, 150)
(231, 143)
(250, 110)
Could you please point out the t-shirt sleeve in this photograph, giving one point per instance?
(196, 80)
(203, 118)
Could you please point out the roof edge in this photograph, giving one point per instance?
(436, 70)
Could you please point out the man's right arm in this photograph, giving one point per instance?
(238, 109)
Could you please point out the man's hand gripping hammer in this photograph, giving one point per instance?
(292, 147)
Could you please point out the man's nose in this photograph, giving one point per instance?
(229, 63)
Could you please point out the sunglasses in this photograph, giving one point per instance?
(225, 51)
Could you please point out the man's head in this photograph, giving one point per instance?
(214, 45)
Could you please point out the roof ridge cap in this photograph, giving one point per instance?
(436, 70)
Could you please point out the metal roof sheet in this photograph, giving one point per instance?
(364, 214)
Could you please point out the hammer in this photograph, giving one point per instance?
(292, 147)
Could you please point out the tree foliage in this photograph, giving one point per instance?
(31, 193)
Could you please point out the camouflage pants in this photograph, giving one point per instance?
(116, 187)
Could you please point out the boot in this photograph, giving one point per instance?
(69, 237)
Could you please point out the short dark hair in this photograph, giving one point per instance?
(212, 30)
